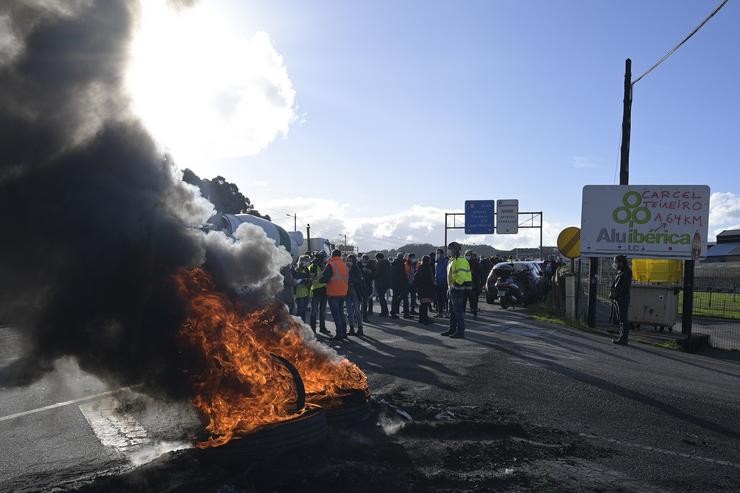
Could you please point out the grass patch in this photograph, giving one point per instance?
(544, 313)
(671, 344)
(716, 305)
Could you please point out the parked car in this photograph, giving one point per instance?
(527, 274)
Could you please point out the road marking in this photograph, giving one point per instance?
(661, 450)
(65, 403)
(112, 427)
(123, 432)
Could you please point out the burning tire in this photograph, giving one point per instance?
(273, 440)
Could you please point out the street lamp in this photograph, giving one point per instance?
(295, 220)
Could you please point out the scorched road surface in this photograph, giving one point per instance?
(518, 405)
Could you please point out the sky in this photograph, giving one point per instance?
(373, 119)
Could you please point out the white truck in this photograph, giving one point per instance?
(293, 241)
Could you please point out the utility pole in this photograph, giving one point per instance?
(624, 158)
(624, 171)
(345, 242)
(624, 178)
(308, 237)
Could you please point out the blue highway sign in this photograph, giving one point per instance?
(479, 217)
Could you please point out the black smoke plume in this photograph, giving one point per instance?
(95, 219)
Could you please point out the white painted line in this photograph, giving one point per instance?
(112, 427)
(62, 404)
(661, 450)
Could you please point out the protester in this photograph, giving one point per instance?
(318, 293)
(620, 292)
(440, 282)
(433, 260)
(459, 281)
(410, 268)
(368, 275)
(302, 281)
(424, 287)
(336, 277)
(486, 265)
(473, 292)
(382, 281)
(355, 295)
(400, 285)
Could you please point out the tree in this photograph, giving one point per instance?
(225, 196)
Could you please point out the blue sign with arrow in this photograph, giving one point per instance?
(479, 217)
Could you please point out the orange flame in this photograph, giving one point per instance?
(241, 387)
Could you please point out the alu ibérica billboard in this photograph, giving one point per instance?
(648, 221)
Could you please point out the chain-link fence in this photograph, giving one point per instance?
(716, 309)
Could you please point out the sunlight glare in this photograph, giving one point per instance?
(203, 90)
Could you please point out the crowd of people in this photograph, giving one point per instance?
(441, 283)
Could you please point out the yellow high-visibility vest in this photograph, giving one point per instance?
(458, 273)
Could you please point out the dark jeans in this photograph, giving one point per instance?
(318, 306)
(336, 307)
(441, 298)
(301, 305)
(367, 302)
(381, 299)
(398, 295)
(424, 312)
(457, 311)
(412, 297)
(472, 295)
(624, 325)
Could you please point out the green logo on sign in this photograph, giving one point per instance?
(631, 212)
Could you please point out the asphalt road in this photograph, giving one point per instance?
(651, 419)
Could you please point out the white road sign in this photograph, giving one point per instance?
(507, 217)
(650, 221)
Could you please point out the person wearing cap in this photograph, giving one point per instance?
(336, 277)
(459, 281)
(620, 293)
(318, 293)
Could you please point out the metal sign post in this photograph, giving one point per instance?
(533, 220)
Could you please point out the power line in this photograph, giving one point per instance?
(696, 29)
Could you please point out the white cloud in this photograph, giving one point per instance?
(417, 224)
(724, 213)
(204, 90)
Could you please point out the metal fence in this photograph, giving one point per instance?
(716, 300)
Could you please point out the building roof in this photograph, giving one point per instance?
(724, 250)
(729, 236)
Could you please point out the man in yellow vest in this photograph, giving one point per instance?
(336, 277)
(318, 293)
(459, 282)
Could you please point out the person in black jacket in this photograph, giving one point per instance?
(368, 275)
(382, 281)
(355, 294)
(400, 285)
(620, 293)
(474, 291)
(424, 287)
